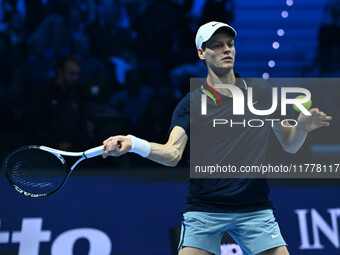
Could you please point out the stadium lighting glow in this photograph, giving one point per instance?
(284, 14)
(280, 32)
(276, 45)
(289, 2)
(271, 63)
(265, 76)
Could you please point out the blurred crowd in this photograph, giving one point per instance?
(76, 72)
(327, 58)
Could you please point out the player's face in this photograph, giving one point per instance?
(220, 51)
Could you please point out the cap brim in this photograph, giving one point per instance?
(229, 30)
(220, 27)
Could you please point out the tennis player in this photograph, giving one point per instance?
(239, 206)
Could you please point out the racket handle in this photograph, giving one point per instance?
(94, 152)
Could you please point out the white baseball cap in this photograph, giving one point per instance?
(206, 31)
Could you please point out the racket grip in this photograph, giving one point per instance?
(94, 152)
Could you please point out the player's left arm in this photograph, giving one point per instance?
(292, 138)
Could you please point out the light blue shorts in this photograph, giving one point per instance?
(254, 232)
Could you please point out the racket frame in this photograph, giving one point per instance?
(57, 153)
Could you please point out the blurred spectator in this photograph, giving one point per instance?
(133, 99)
(36, 11)
(155, 122)
(156, 29)
(76, 24)
(110, 32)
(327, 62)
(52, 37)
(122, 64)
(45, 46)
(203, 11)
(5, 61)
(6, 66)
(7, 8)
(108, 38)
(220, 10)
(60, 7)
(55, 113)
(180, 77)
(185, 32)
(16, 31)
(12, 97)
(156, 41)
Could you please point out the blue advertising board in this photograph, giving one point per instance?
(120, 215)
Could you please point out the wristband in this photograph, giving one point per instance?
(140, 146)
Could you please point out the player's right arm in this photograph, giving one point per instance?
(168, 154)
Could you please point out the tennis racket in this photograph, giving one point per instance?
(39, 171)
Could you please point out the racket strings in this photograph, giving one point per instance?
(36, 171)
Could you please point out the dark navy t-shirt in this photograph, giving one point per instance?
(234, 145)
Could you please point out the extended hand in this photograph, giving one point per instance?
(116, 146)
(314, 121)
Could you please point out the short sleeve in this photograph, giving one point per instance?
(181, 115)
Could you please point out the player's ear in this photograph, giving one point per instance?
(201, 53)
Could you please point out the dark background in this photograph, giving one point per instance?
(155, 39)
